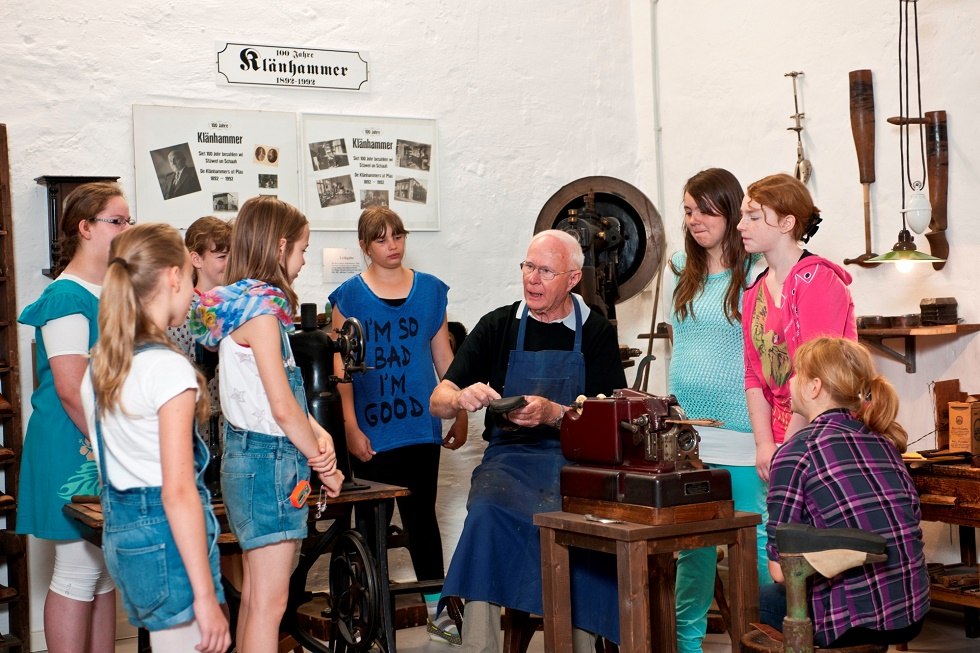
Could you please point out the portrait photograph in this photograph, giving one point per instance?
(175, 171)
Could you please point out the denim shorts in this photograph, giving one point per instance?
(143, 558)
(258, 473)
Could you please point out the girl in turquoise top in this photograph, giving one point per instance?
(58, 462)
(707, 373)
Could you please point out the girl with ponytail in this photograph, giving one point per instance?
(142, 400)
(800, 296)
(844, 470)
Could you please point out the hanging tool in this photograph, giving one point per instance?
(803, 166)
(863, 130)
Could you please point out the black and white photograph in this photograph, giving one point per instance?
(374, 198)
(410, 154)
(175, 171)
(225, 201)
(335, 190)
(329, 154)
(410, 189)
(268, 181)
(388, 160)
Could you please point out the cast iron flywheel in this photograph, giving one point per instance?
(621, 234)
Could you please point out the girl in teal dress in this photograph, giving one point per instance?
(80, 608)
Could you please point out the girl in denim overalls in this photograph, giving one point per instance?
(140, 399)
(270, 439)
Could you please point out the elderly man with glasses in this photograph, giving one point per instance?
(547, 350)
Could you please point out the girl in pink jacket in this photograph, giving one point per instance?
(799, 297)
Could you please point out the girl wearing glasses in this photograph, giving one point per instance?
(390, 432)
(57, 461)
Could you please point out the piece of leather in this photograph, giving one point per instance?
(769, 632)
(499, 409)
(831, 562)
(507, 404)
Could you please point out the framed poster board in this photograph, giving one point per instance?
(192, 162)
(351, 162)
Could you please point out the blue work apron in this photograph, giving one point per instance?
(498, 558)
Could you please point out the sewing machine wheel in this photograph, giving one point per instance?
(351, 342)
(354, 590)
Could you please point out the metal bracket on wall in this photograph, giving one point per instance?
(907, 359)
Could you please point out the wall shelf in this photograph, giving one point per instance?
(875, 338)
(15, 593)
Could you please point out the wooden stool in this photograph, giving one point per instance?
(647, 612)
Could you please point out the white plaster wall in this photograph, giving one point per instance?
(725, 102)
(527, 97)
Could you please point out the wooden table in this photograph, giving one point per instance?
(646, 609)
(374, 496)
(951, 494)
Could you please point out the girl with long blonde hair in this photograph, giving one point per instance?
(142, 398)
(844, 470)
(271, 440)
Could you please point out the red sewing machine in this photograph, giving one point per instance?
(635, 455)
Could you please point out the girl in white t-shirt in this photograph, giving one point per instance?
(141, 397)
(271, 441)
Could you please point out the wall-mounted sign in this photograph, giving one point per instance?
(196, 162)
(348, 163)
(279, 65)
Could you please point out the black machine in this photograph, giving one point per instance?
(620, 232)
(314, 352)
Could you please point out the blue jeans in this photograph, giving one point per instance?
(772, 605)
(143, 558)
(258, 473)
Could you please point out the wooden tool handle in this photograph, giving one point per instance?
(937, 161)
(863, 122)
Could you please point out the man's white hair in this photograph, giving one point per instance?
(576, 257)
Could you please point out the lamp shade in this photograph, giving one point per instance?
(918, 212)
(904, 251)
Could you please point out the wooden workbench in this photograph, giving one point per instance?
(951, 494)
(88, 512)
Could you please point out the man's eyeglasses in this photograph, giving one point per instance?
(117, 220)
(546, 274)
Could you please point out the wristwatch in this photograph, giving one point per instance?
(556, 423)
